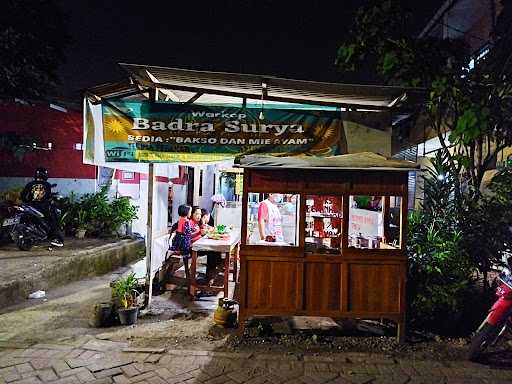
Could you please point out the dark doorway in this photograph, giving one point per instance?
(190, 186)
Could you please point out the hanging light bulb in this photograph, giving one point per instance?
(263, 89)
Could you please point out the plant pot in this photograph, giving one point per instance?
(80, 233)
(103, 315)
(128, 316)
(121, 230)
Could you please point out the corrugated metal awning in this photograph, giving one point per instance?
(115, 90)
(355, 161)
(273, 88)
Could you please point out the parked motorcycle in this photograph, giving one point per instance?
(7, 220)
(27, 226)
(499, 320)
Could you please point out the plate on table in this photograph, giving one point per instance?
(218, 236)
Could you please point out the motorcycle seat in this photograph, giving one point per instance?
(33, 210)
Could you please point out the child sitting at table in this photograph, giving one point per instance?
(213, 259)
(205, 221)
(182, 240)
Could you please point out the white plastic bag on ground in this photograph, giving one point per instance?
(37, 295)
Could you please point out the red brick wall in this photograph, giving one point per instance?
(62, 129)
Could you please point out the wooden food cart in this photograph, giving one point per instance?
(345, 257)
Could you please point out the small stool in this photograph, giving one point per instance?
(175, 260)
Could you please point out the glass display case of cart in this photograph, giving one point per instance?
(323, 224)
(272, 219)
(374, 222)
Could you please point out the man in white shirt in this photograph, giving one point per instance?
(269, 219)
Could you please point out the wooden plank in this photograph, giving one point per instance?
(344, 287)
(194, 98)
(243, 239)
(270, 250)
(322, 287)
(374, 252)
(274, 285)
(300, 286)
(386, 216)
(258, 276)
(374, 288)
(302, 223)
(284, 286)
(344, 235)
(363, 258)
(393, 316)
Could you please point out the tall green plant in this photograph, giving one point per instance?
(125, 290)
(441, 279)
(99, 209)
(96, 213)
(122, 212)
(439, 185)
(441, 274)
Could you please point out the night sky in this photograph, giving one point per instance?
(285, 38)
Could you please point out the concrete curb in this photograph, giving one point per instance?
(74, 266)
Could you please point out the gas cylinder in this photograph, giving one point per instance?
(224, 314)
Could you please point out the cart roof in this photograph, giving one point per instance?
(354, 161)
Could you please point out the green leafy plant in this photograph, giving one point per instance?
(100, 210)
(94, 212)
(82, 219)
(122, 212)
(441, 278)
(125, 290)
(451, 239)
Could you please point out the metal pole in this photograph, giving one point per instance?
(149, 237)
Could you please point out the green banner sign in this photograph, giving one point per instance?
(161, 132)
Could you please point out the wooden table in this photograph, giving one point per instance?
(225, 248)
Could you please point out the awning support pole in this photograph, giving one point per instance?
(149, 236)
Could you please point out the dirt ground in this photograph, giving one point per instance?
(66, 314)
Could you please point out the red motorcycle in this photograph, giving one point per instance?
(499, 319)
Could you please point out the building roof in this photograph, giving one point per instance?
(183, 85)
(457, 18)
(354, 161)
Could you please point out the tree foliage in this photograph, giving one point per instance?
(32, 41)
(474, 105)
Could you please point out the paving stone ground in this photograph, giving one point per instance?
(95, 361)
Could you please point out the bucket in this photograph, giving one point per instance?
(128, 316)
(102, 315)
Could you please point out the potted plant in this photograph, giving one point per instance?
(81, 221)
(124, 290)
(122, 214)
